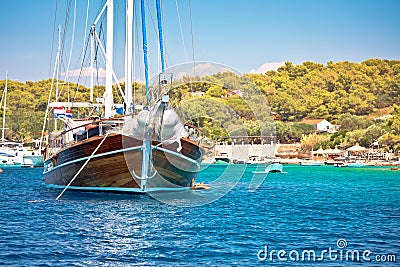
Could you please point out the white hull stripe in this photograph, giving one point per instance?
(117, 189)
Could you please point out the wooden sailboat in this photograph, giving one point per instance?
(149, 151)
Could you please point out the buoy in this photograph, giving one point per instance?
(201, 186)
(1, 170)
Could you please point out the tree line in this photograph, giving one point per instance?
(344, 93)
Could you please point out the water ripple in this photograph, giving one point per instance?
(298, 210)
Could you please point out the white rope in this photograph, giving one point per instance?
(191, 33)
(180, 26)
(84, 36)
(83, 166)
(72, 43)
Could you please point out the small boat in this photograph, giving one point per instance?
(222, 158)
(355, 164)
(257, 160)
(330, 162)
(12, 155)
(275, 167)
(32, 153)
(239, 161)
(272, 167)
(9, 161)
(310, 162)
(340, 164)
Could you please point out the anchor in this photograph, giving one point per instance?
(146, 165)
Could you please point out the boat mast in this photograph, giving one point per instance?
(146, 63)
(128, 57)
(160, 35)
(108, 96)
(91, 62)
(4, 109)
(146, 149)
(57, 66)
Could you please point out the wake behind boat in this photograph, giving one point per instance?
(149, 151)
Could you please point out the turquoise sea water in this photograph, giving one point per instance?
(308, 209)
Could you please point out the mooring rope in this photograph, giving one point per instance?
(83, 166)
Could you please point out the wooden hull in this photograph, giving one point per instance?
(113, 166)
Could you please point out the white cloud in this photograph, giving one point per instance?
(85, 72)
(267, 67)
(200, 69)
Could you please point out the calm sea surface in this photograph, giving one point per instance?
(334, 212)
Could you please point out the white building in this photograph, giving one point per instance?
(321, 125)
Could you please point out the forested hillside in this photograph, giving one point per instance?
(317, 91)
(26, 105)
(339, 92)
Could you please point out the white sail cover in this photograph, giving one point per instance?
(158, 124)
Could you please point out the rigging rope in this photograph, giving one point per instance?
(81, 70)
(180, 26)
(193, 58)
(71, 48)
(65, 30)
(191, 32)
(83, 166)
(84, 35)
(72, 41)
(61, 56)
(52, 41)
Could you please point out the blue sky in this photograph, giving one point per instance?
(241, 34)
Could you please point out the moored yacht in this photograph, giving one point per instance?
(152, 150)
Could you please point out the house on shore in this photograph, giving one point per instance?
(321, 125)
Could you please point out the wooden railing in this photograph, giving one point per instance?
(62, 140)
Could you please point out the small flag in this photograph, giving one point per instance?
(68, 113)
(59, 112)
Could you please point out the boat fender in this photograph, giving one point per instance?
(170, 118)
(143, 117)
(139, 124)
(171, 126)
